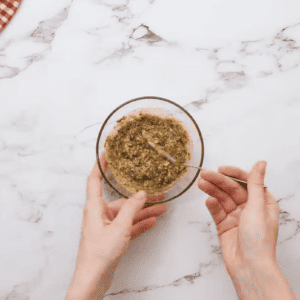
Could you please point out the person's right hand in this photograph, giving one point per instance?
(247, 221)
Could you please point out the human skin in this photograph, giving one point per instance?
(106, 232)
(247, 222)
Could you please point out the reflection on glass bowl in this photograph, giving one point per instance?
(163, 108)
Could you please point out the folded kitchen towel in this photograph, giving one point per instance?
(8, 9)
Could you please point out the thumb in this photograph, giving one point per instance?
(130, 209)
(256, 190)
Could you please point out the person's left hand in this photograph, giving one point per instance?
(107, 229)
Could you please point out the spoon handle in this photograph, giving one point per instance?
(241, 182)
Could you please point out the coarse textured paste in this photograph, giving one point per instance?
(138, 166)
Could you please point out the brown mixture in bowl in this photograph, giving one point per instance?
(138, 166)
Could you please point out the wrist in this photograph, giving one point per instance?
(86, 283)
(255, 267)
(262, 281)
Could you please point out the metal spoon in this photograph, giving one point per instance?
(160, 151)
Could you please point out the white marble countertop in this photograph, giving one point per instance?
(65, 65)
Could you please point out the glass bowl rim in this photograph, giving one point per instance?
(148, 203)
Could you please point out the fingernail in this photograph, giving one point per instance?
(141, 195)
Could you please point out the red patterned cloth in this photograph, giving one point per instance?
(8, 9)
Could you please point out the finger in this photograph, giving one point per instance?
(232, 188)
(116, 205)
(103, 162)
(270, 197)
(152, 211)
(216, 209)
(256, 191)
(147, 212)
(272, 205)
(94, 186)
(272, 208)
(153, 198)
(142, 226)
(130, 209)
(234, 172)
(94, 190)
(225, 200)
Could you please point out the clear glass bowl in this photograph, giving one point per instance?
(162, 107)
